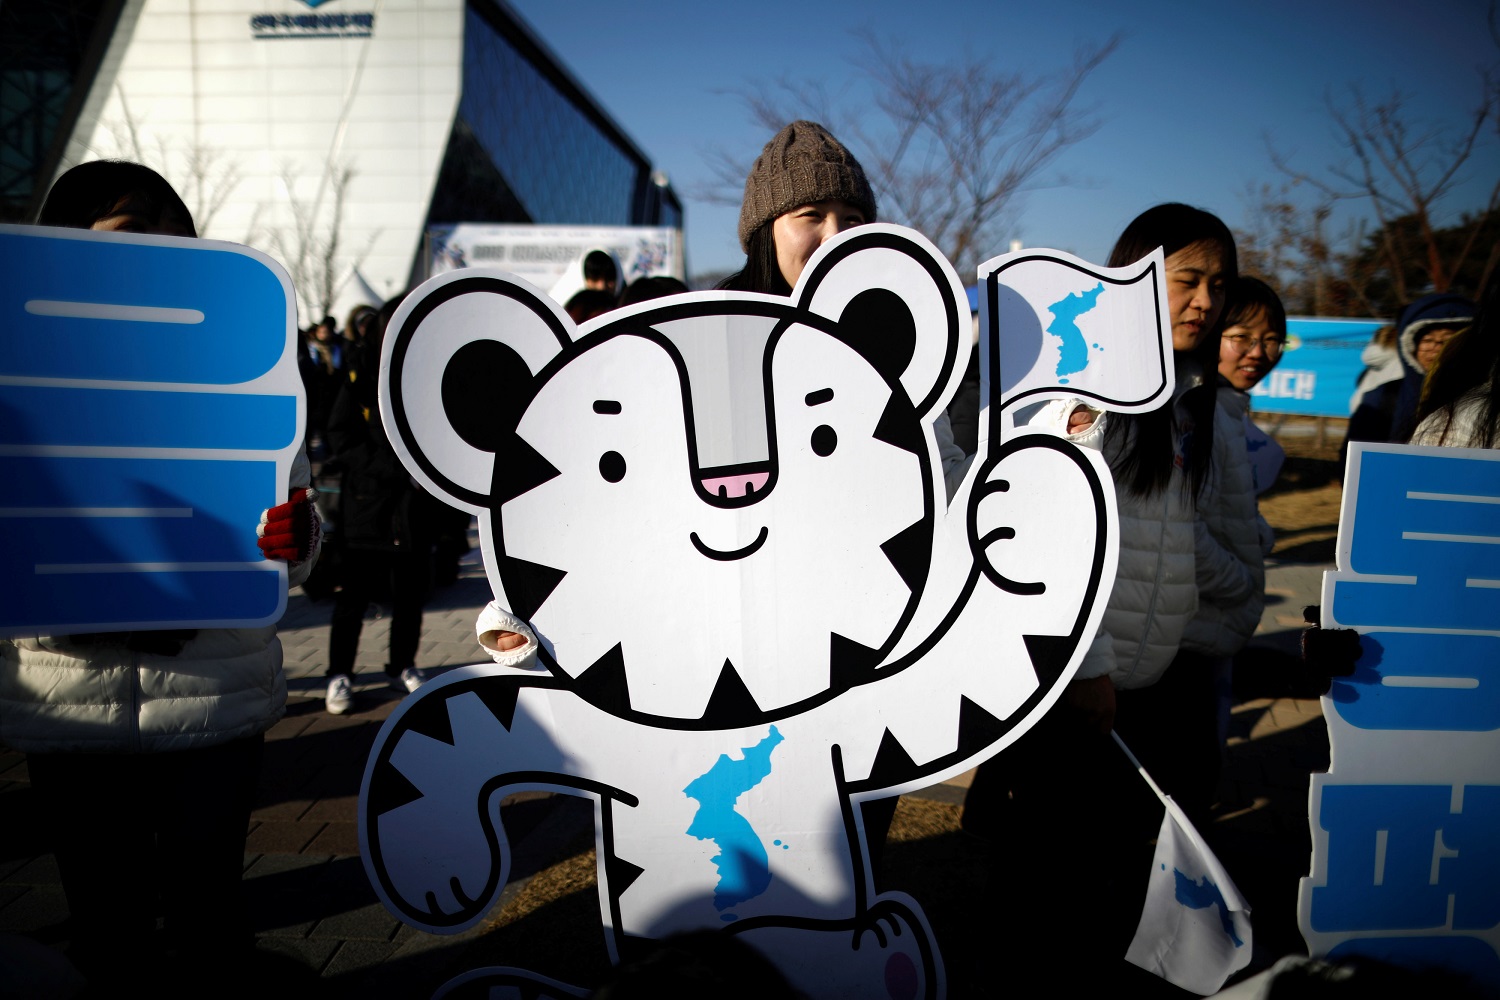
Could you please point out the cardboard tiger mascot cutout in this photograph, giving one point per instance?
(722, 517)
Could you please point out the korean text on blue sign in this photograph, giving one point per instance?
(1406, 824)
(1318, 370)
(150, 409)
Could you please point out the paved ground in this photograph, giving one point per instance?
(320, 929)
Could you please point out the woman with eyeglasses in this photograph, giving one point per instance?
(1231, 561)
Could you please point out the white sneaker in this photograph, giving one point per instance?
(411, 678)
(340, 695)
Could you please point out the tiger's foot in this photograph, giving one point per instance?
(886, 952)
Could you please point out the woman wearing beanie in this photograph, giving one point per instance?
(804, 189)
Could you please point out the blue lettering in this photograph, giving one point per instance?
(71, 561)
(1417, 680)
(1432, 517)
(92, 309)
(1396, 854)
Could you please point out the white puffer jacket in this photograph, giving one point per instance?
(1465, 428)
(1156, 590)
(64, 694)
(1231, 540)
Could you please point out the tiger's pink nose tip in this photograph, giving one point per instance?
(729, 487)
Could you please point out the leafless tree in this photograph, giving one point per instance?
(1404, 169)
(1271, 239)
(205, 178)
(949, 147)
(312, 247)
(1284, 239)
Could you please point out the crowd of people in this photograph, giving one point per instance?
(176, 719)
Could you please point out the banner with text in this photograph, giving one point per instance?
(542, 254)
(1319, 369)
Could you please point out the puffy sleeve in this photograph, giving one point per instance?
(1100, 658)
(1053, 417)
(955, 462)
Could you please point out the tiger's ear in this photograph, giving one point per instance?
(458, 368)
(898, 302)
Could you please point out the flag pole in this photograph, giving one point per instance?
(1137, 764)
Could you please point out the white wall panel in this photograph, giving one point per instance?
(163, 26)
(268, 106)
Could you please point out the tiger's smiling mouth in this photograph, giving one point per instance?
(730, 556)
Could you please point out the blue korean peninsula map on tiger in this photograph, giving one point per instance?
(744, 868)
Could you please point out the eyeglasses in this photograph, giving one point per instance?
(1435, 341)
(1243, 343)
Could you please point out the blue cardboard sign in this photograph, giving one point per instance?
(1406, 824)
(1319, 369)
(150, 409)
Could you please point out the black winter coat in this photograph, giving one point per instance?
(380, 507)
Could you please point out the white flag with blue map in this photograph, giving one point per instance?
(1068, 328)
(1195, 926)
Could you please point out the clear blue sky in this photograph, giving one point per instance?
(1186, 102)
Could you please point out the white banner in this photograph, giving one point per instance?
(542, 254)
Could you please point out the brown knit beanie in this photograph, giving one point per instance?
(802, 164)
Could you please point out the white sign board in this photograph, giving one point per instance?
(724, 516)
(1406, 823)
(542, 254)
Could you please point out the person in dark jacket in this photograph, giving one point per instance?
(144, 747)
(388, 524)
(1388, 412)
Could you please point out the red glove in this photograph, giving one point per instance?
(290, 532)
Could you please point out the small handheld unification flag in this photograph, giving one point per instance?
(1195, 925)
(1053, 326)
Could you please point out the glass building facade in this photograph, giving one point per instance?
(49, 53)
(529, 145)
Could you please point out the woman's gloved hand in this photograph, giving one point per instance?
(1328, 652)
(290, 531)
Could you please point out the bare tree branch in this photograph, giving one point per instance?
(205, 178)
(949, 147)
(311, 249)
(1404, 169)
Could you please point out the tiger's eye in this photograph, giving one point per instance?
(824, 440)
(612, 466)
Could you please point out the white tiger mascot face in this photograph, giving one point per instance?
(716, 510)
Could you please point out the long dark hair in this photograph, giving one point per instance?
(94, 190)
(761, 272)
(1144, 467)
(1469, 368)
